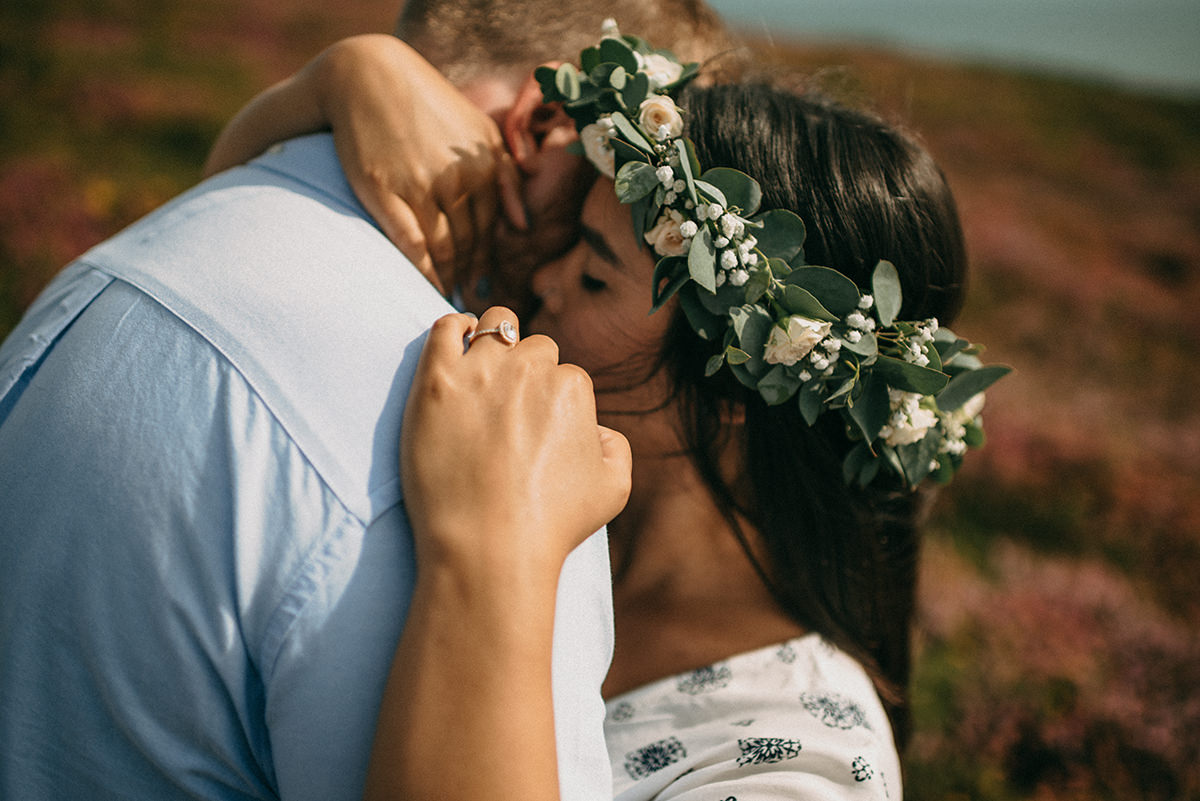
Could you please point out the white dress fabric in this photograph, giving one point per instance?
(799, 720)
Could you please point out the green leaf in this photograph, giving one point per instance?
(867, 346)
(800, 301)
(670, 270)
(547, 78)
(617, 78)
(909, 377)
(635, 91)
(630, 131)
(736, 355)
(885, 283)
(707, 325)
(858, 458)
(566, 80)
(714, 194)
(871, 408)
(918, 457)
(618, 52)
(965, 386)
(811, 402)
(782, 236)
(752, 324)
(974, 436)
(740, 190)
(844, 389)
(635, 180)
(713, 365)
(777, 385)
(757, 286)
(702, 260)
(589, 59)
(689, 166)
(836, 292)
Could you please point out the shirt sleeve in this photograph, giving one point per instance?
(339, 630)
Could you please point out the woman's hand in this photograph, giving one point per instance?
(505, 470)
(502, 460)
(428, 165)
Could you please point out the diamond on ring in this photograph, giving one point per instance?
(506, 331)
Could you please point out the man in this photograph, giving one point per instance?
(204, 558)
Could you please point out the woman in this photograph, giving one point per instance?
(763, 601)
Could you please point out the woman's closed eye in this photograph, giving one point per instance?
(591, 283)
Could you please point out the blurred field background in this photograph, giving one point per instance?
(1059, 640)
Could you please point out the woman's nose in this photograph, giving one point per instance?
(548, 283)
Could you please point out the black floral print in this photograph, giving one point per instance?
(705, 680)
(835, 711)
(862, 770)
(767, 750)
(654, 757)
(622, 712)
(786, 653)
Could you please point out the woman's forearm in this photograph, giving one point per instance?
(468, 710)
(289, 108)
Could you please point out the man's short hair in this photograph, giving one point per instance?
(467, 39)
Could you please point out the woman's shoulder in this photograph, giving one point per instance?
(798, 719)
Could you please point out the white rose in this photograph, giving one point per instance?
(597, 145)
(661, 70)
(666, 237)
(660, 115)
(790, 345)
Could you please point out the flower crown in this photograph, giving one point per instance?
(909, 392)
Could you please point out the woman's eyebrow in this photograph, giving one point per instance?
(595, 240)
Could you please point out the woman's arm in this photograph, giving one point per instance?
(426, 164)
(505, 471)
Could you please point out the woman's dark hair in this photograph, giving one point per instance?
(840, 560)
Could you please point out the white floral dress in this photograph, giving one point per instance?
(799, 720)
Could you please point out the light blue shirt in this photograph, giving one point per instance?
(204, 559)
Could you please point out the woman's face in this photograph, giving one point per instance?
(595, 302)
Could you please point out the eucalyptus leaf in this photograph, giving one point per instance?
(871, 407)
(713, 365)
(811, 402)
(836, 292)
(782, 236)
(617, 78)
(867, 345)
(909, 377)
(918, 458)
(736, 355)
(885, 283)
(739, 189)
(707, 325)
(702, 260)
(752, 324)
(756, 287)
(566, 80)
(685, 166)
(635, 91)
(858, 458)
(630, 132)
(777, 385)
(742, 373)
(618, 52)
(949, 348)
(796, 300)
(844, 389)
(589, 59)
(974, 436)
(965, 386)
(547, 78)
(670, 270)
(634, 181)
(714, 194)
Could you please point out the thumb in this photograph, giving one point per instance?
(617, 467)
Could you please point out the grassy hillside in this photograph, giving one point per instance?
(1059, 647)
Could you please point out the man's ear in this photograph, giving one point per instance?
(531, 126)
